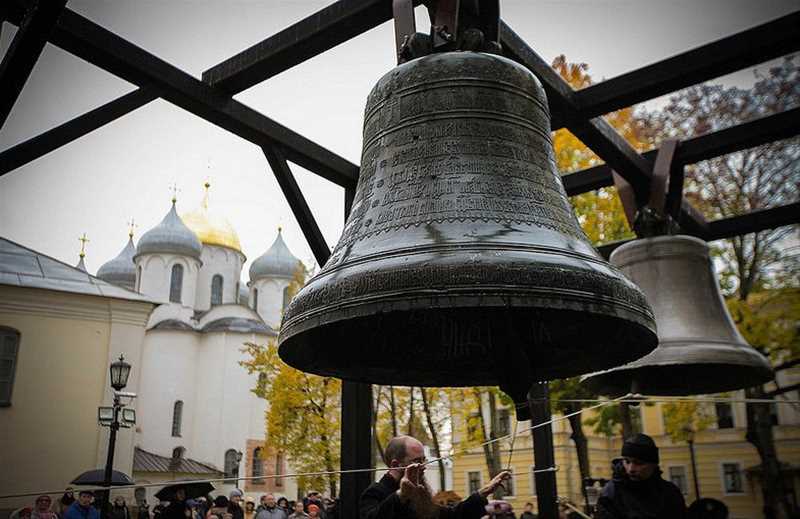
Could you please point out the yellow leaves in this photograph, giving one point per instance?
(601, 215)
(600, 212)
(684, 419)
(768, 321)
(303, 418)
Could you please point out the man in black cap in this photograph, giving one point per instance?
(637, 490)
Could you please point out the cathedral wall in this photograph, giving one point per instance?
(270, 299)
(169, 374)
(231, 414)
(157, 271)
(67, 342)
(219, 260)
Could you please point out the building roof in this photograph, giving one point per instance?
(121, 270)
(144, 461)
(210, 227)
(24, 267)
(170, 236)
(278, 262)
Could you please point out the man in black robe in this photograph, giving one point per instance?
(403, 493)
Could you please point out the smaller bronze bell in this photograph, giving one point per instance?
(700, 351)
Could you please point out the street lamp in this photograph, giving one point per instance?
(238, 462)
(689, 430)
(110, 417)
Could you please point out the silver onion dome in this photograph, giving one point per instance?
(121, 270)
(277, 262)
(170, 236)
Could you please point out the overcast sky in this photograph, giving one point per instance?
(123, 170)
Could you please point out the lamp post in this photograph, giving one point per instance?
(119, 371)
(238, 462)
(690, 440)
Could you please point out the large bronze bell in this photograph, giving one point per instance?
(462, 262)
(700, 350)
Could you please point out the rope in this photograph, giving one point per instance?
(319, 473)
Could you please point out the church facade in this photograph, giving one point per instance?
(176, 304)
(195, 398)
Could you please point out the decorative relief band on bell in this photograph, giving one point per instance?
(517, 278)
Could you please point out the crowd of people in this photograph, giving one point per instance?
(235, 506)
(636, 490)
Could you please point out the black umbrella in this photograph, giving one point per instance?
(193, 490)
(96, 478)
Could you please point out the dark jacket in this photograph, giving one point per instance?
(119, 512)
(235, 510)
(380, 501)
(175, 510)
(653, 498)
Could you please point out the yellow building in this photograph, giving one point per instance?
(60, 329)
(727, 464)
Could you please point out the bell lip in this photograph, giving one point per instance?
(742, 367)
(295, 351)
(641, 249)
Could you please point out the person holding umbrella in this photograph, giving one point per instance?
(178, 494)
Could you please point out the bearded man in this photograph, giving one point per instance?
(403, 492)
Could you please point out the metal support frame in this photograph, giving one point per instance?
(91, 42)
(52, 139)
(543, 453)
(298, 204)
(24, 51)
(356, 445)
(211, 100)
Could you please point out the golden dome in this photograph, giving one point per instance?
(211, 228)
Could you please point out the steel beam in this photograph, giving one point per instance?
(91, 42)
(356, 446)
(756, 221)
(297, 202)
(703, 147)
(742, 136)
(307, 38)
(25, 49)
(543, 451)
(744, 49)
(52, 139)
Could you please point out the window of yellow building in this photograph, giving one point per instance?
(473, 481)
(732, 478)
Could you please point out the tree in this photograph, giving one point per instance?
(303, 418)
(736, 183)
(744, 181)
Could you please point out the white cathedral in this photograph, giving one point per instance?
(176, 305)
(195, 401)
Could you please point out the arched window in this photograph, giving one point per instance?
(9, 348)
(177, 417)
(139, 279)
(176, 283)
(216, 290)
(286, 298)
(255, 299)
(178, 452)
(258, 465)
(231, 463)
